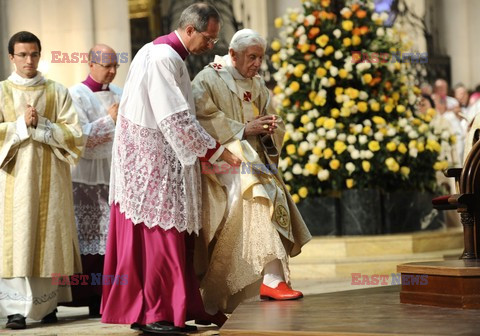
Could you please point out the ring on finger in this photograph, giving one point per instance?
(265, 126)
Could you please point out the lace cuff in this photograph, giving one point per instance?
(187, 138)
(99, 135)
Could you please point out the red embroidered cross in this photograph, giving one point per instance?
(217, 66)
(247, 96)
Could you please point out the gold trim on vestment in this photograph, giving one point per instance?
(45, 187)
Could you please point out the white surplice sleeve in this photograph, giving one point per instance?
(173, 112)
(12, 134)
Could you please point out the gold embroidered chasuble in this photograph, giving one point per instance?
(38, 236)
(241, 234)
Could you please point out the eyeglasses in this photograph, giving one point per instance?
(108, 66)
(209, 39)
(25, 55)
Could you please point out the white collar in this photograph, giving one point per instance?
(19, 80)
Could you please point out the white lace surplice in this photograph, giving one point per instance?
(149, 180)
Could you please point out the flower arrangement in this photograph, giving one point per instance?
(350, 123)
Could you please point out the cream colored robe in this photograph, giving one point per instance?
(249, 218)
(38, 237)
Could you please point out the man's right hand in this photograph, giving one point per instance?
(31, 117)
(113, 112)
(231, 159)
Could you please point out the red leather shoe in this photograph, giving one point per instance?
(282, 292)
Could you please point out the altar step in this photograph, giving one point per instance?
(336, 258)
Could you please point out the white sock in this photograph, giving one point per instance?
(273, 273)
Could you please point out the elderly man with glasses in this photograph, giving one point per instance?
(96, 101)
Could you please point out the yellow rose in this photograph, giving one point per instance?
(293, 17)
(304, 119)
(328, 50)
(289, 188)
(375, 106)
(334, 164)
(298, 71)
(327, 64)
(278, 22)
(301, 152)
(304, 48)
(296, 198)
(400, 108)
(391, 146)
(286, 102)
(395, 96)
(402, 148)
(321, 72)
(335, 113)
(276, 45)
(338, 90)
(322, 40)
(291, 149)
(388, 108)
(356, 40)
(327, 153)
(347, 42)
(367, 78)
(379, 120)
(329, 123)
(374, 146)
(366, 166)
(307, 105)
(367, 129)
(342, 73)
(312, 168)
(347, 25)
(362, 106)
(294, 86)
(332, 81)
(319, 100)
(349, 182)
(420, 147)
(286, 137)
(275, 58)
(320, 121)
(303, 192)
(339, 147)
(317, 151)
(405, 171)
(352, 93)
(277, 89)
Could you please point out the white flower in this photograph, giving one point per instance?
(333, 71)
(300, 29)
(322, 93)
(291, 51)
(283, 54)
(413, 134)
(342, 137)
(402, 122)
(384, 16)
(348, 64)
(282, 164)
(363, 66)
(297, 136)
(368, 154)
(391, 131)
(380, 32)
(375, 16)
(303, 39)
(312, 114)
(331, 134)
(351, 148)
(324, 82)
(350, 167)
(322, 143)
(312, 158)
(321, 131)
(339, 99)
(323, 175)
(305, 172)
(287, 176)
(378, 136)
(297, 169)
(290, 117)
(306, 78)
(289, 127)
(351, 139)
(337, 33)
(288, 91)
(300, 19)
(338, 54)
(319, 52)
(363, 95)
(362, 139)
(310, 126)
(290, 40)
(355, 154)
(310, 19)
(289, 29)
(358, 129)
(413, 152)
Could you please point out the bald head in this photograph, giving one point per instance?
(103, 63)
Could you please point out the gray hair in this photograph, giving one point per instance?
(198, 16)
(245, 38)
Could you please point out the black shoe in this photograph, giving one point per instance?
(189, 328)
(16, 321)
(136, 326)
(50, 318)
(94, 310)
(163, 328)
